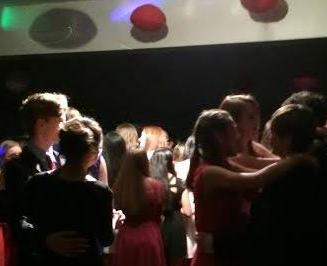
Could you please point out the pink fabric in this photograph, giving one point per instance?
(221, 213)
(2, 246)
(140, 243)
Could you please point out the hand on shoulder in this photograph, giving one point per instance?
(302, 159)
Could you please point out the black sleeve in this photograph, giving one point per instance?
(15, 182)
(27, 225)
(105, 219)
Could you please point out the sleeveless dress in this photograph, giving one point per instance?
(220, 221)
(138, 242)
(190, 228)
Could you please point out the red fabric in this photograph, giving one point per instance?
(2, 246)
(140, 244)
(259, 6)
(148, 17)
(6, 246)
(222, 214)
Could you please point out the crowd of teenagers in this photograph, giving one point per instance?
(230, 195)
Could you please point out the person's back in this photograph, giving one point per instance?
(285, 219)
(141, 198)
(66, 213)
(154, 202)
(53, 204)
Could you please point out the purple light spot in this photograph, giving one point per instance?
(2, 151)
(123, 12)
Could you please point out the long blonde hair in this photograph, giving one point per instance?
(129, 194)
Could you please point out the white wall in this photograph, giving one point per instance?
(190, 22)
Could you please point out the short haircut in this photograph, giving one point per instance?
(315, 101)
(41, 105)
(79, 136)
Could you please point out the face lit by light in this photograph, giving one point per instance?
(231, 139)
(142, 140)
(50, 128)
(12, 153)
(248, 124)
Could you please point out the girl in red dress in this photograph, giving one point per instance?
(219, 216)
(141, 198)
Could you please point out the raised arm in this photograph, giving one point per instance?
(252, 162)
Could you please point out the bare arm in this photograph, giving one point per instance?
(252, 162)
(237, 167)
(218, 177)
(103, 176)
(262, 151)
(186, 208)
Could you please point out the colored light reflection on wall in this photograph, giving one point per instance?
(12, 18)
(122, 12)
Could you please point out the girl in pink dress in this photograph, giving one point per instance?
(141, 198)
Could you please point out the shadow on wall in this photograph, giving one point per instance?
(149, 36)
(63, 28)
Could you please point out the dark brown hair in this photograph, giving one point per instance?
(315, 101)
(206, 147)
(295, 121)
(41, 105)
(79, 136)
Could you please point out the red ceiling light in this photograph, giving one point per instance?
(259, 6)
(148, 17)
